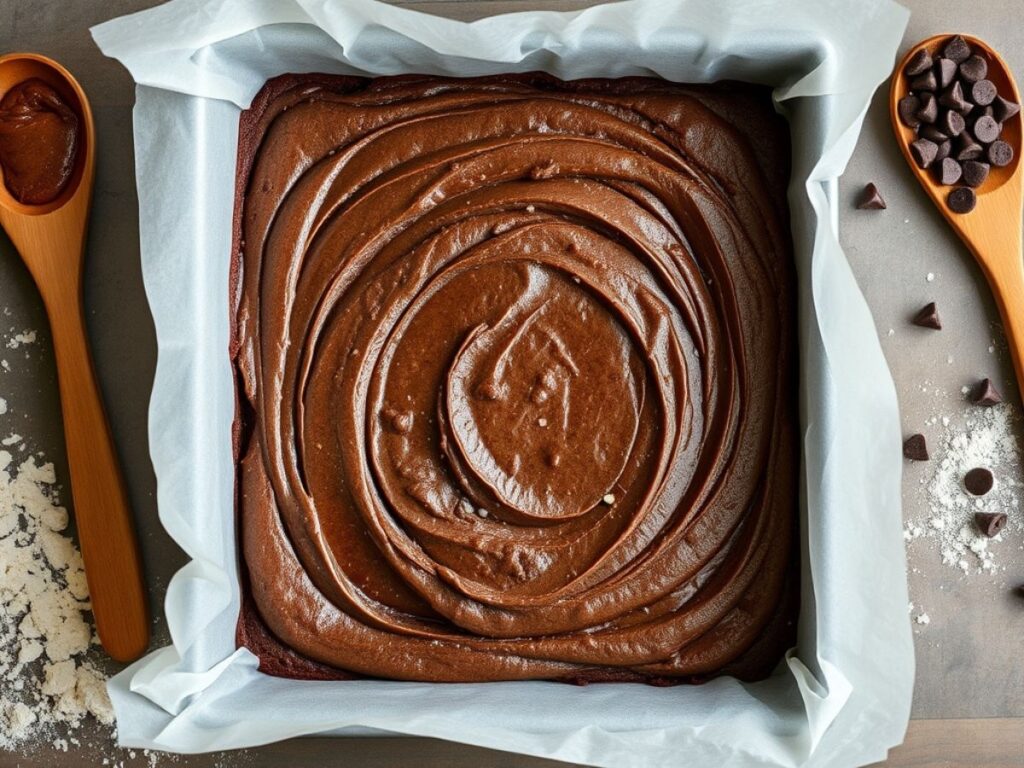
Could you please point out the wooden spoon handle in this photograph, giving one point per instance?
(102, 514)
(1006, 279)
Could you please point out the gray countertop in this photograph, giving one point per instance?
(969, 665)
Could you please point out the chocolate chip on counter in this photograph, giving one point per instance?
(975, 173)
(926, 81)
(945, 71)
(924, 152)
(953, 97)
(1004, 109)
(974, 69)
(871, 199)
(929, 109)
(932, 133)
(967, 148)
(928, 317)
(979, 481)
(985, 393)
(951, 123)
(957, 49)
(915, 448)
(983, 92)
(919, 62)
(1000, 154)
(948, 171)
(962, 200)
(945, 148)
(907, 108)
(986, 129)
(990, 523)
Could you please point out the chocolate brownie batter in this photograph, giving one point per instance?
(38, 142)
(515, 362)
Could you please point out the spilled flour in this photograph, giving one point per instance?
(979, 437)
(47, 688)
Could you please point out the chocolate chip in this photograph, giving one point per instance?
(967, 148)
(871, 199)
(953, 97)
(1000, 154)
(952, 123)
(918, 63)
(924, 82)
(915, 448)
(979, 481)
(983, 92)
(948, 171)
(974, 69)
(985, 393)
(986, 129)
(945, 71)
(907, 108)
(1004, 109)
(975, 173)
(929, 109)
(932, 133)
(962, 200)
(924, 152)
(957, 49)
(945, 148)
(990, 523)
(928, 317)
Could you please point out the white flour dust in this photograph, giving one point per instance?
(977, 437)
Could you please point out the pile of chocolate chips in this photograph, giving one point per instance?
(958, 116)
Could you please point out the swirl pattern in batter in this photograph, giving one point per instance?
(515, 362)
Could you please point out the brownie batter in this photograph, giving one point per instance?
(38, 142)
(515, 363)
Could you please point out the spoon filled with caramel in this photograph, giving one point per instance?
(47, 159)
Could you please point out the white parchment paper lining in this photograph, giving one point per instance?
(842, 699)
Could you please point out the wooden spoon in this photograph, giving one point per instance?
(992, 231)
(51, 240)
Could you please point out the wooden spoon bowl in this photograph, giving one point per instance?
(992, 231)
(51, 240)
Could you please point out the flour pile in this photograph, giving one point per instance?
(980, 437)
(47, 688)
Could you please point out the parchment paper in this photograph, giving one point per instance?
(842, 699)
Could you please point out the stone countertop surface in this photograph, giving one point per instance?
(969, 697)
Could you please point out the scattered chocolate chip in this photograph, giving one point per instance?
(989, 523)
(1004, 109)
(945, 71)
(975, 173)
(985, 393)
(986, 129)
(953, 97)
(924, 152)
(957, 50)
(1000, 154)
(918, 63)
(952, 123)
(907, 108)
(871, 199)
(962, 200)
(983, 92)
(926, 81)
(979, 481)
(967, 148)
(948, 171)
(928, 317)
(945, 148)
(915, 448)
(974, 69)
(929, 109)
(932, 133)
